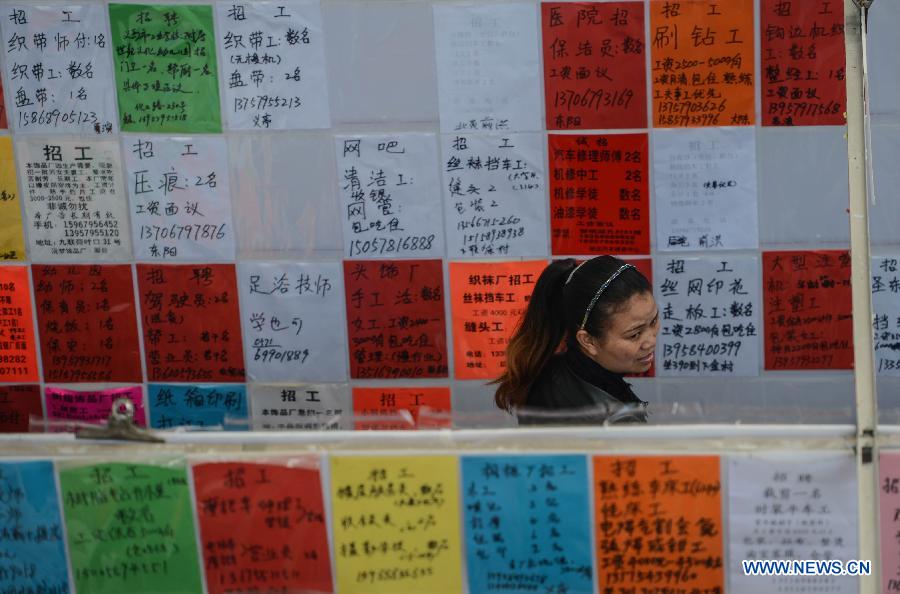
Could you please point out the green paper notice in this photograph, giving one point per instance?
(165, 61)
(130, 529)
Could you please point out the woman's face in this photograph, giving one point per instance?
(630, 340)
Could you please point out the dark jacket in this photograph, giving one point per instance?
(572, 389)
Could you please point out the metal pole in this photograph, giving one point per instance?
(863, 342)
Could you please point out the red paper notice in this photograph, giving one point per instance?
(395, 318)
(192, 329)
(87, 322)
(18, 361)
(809, 316)
(488, 300)
(803, 63)
(262, 528)
(594, 67)
(701, 61)
(399, 408)
(17, 404)
(599, 196)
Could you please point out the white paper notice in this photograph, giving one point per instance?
(494, 195)
(797, 506)
(305, 407)
(74, 200)
(709, 316)
(390, 197)
(886, 305)
(705, 189)
(273, 64)
(59, 69)
(180, 201)
(487, 65)
(290, 313)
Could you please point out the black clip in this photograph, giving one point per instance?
(120, 425)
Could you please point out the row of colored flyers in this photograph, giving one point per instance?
(396, 524)
(229, 407)
(178, 199)
(385, 319)
(267, 65)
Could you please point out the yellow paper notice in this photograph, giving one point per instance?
(12, 241)
(395, 523)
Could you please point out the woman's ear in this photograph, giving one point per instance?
(587, 342)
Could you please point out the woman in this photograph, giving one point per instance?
(605, 312)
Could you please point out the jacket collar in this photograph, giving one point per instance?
(597, 375)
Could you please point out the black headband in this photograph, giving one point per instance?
(599, 292)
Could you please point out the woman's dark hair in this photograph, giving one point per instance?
(556, 311)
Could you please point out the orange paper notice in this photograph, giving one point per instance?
(701, 58)
(19, 361)
(488, 300)
(658, 524)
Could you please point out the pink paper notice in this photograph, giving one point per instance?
(889, 481)
(91, 406)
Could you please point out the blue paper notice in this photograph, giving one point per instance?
(174, 405)
(527, 524)
(32, 552)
